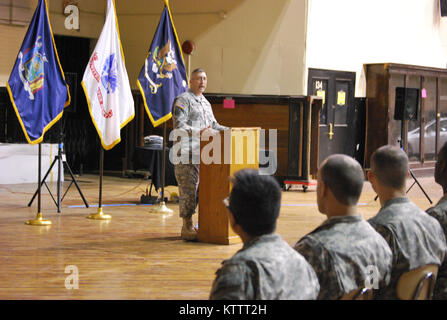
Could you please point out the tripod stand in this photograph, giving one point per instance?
(401, 142)
(61, 162)
(416, 181)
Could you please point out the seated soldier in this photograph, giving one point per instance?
(344, 250)
(439, 212)
(415, 238)
(266, 267)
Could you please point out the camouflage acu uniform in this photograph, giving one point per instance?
(191, 113)
(415, 238)
(266, 268)
(439, 212)
(187, 176)
(345, 252)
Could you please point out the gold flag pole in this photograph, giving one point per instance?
(39, 221)
(100, 215)
(162, 207)
(189, 63)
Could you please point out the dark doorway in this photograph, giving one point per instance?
(80, 140)
(339, 121)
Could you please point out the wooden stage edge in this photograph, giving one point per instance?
(135, 255)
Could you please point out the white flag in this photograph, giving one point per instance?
(106, 84)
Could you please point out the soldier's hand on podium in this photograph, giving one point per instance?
(204, 129)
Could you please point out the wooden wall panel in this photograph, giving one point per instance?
(266, 112)
(266, 116)
(377, 110)
(380, 126)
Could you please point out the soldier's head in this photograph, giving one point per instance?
(340, 183)
(254, 203)
(389, 169)
(441, 168)
(198, 81)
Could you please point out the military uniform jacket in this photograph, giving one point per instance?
(415, 238)
(266, 268)
(439, 212)
(193, 113)
(344, 252)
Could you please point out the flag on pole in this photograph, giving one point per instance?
(106, 84)
(163, 75)
(37, 86)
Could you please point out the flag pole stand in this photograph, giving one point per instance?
(162, 208)
(39, 221)
(100, 214)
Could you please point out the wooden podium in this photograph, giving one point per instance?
(239, 149)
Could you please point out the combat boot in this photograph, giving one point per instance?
(188, 231)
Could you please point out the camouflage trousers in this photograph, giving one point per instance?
(187, 176)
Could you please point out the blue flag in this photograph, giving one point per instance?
(163, 76)
(37, 86)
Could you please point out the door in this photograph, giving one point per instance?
(79, 134)
(337, 134)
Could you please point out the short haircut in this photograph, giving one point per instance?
(196, 71)
(390, 165)
(344, 176)
(255, 201)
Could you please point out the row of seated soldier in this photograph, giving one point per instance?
(346, 257)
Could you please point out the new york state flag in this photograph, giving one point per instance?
(163, 75)
(37, 86)
(106, 84)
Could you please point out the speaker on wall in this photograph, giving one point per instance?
(443, 5)
(406, 104)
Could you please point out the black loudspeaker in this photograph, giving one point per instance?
(443, 5)
(407, 102)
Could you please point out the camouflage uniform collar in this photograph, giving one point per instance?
(343, 219)
(197, 98)
(397, 200)
(328, 223)
(262, 238)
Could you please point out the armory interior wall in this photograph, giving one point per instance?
(247, 47)
(345, 34)
(263, 46)
(91, 21)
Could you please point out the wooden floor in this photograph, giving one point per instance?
(138, 254)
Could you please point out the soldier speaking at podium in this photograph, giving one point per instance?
(192, 113)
